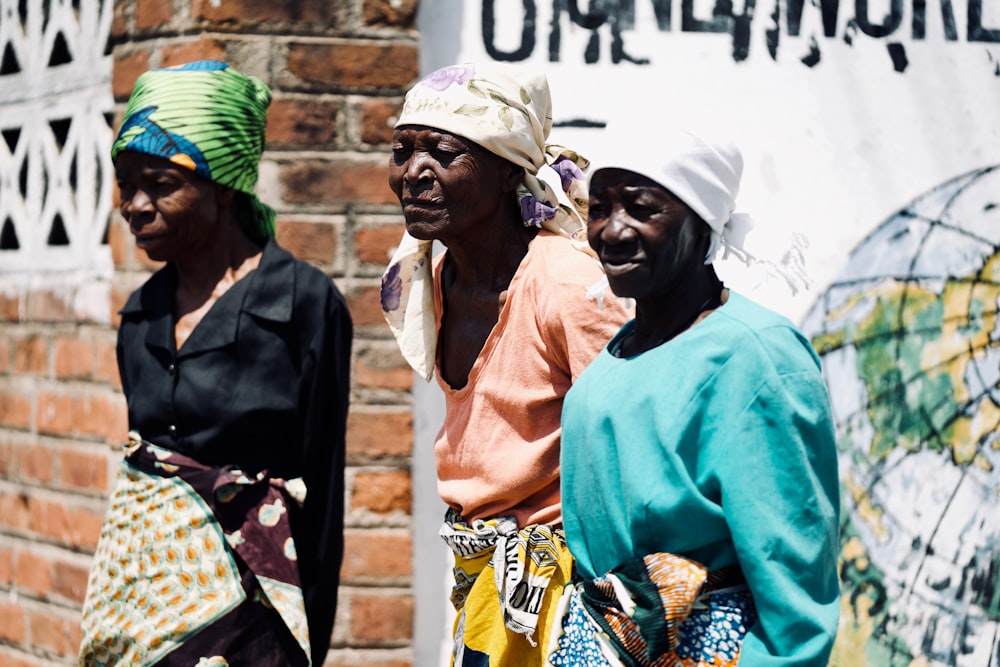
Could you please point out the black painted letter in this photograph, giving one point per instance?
(892, 20)
(527, 32)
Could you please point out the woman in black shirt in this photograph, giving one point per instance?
(224, 538)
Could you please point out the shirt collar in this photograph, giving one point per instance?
(268, 292)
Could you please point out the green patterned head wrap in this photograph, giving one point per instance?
(207, 117)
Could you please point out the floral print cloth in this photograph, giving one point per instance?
(659, 611)
(508, 111)
(195, 565)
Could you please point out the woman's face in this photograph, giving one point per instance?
(445, 183)
(171, 211)
(647, 239)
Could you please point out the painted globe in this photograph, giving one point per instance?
(910, 341)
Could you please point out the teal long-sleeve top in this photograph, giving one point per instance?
(718, 446)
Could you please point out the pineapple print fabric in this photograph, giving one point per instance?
(195, 566)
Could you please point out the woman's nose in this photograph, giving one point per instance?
(135, 202)
(417, 168)
(617, 228)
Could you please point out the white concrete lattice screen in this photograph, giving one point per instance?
(55, 115)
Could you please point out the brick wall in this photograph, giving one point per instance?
(338, 70)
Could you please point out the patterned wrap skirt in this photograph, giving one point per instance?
(508, 583)
(659, 611)
(195, 566)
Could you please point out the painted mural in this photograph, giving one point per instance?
(872, 127)
(910, 340)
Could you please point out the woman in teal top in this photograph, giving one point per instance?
(699, 470)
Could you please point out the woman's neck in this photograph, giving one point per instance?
(490, 260)
(658, 320)
(207, 275)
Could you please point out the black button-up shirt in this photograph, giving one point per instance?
(262, 383)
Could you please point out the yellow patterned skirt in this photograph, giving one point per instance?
(508, 582)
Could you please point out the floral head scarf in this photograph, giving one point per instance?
(507, 111)
(207, 117)
(704, 172)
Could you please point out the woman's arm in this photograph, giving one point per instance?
(780, 495)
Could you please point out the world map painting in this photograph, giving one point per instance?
(909, 336)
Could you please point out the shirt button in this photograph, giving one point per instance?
(171, 368)
(173, 430)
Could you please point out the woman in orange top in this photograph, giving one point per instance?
(509, 315)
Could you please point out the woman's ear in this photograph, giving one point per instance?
(513, 175)
(224, 195)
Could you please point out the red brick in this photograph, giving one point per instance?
(35, 463)
(63, 520)
(120, 241)
(102, 415)
(379, 434)
(152, 13)
(33, 573)
(74, 636)
(51, 632)
(204, 48)
(383, 492)
(365, 307)
(380, 370)
(8, 458)
(368, 554)
(6, 566)
(11, 621)
(10, 307)
(246, 12)
(374, 245)
(339, 183)
(127, 68)
(15, 410)
(118, 299)
(74, 358)
(381, 618)
(84, 468)
(309, 241)
(69, 580)
(106, 363)
(375, 121)
(378, 65)
(391, 13)
(55, 414)
(302, 123)
(31, 355)
(15, 511)
(48, 306)
(119, 21)
(5, 354)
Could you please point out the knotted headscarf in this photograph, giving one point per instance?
(704, 172)
(207, 117)
(507, 111)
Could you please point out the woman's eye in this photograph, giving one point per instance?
(642, 211)
(597, 210)
(446, 153)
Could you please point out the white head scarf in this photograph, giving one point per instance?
(507, 111)
(704, 172)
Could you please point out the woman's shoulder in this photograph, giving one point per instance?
(154, 295)
(756, 332)
(554, 258)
